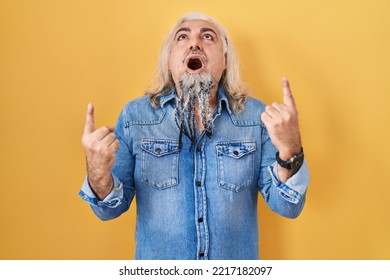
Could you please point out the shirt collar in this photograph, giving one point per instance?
(167, 97)
(222, 99)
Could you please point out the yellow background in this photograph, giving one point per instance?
(56, 56)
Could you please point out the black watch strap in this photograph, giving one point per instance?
(293, 163)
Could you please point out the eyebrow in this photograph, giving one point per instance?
(183, 29)
(207, 29)
(202, 30)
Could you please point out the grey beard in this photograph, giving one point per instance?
(194, 90)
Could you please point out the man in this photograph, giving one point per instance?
(195, 152)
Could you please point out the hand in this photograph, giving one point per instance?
(281, 121)
(100, 146)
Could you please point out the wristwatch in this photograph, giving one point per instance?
(293, 163)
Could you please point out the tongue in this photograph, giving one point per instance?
(194, 64)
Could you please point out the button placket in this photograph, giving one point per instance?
(200, 199)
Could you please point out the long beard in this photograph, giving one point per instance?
(194, 93)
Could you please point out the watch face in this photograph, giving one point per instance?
(293, 164)
(296, 164)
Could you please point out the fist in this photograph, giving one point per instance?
(100, 145)
(281, 121)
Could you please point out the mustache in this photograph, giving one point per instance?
(194, 52)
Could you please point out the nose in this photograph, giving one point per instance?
(195, 45)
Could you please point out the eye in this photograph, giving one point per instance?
(208, 36)
(181, 37)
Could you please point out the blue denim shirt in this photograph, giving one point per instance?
(198, 203)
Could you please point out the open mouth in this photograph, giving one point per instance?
(194, 64)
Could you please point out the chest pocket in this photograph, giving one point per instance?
(160, 162)
(235, 164)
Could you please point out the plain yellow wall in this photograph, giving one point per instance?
(56, 56)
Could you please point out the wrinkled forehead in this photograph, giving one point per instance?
(194, 25)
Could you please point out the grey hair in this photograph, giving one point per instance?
(231, 81)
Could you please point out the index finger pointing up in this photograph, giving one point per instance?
(288, 99)
(90, 120)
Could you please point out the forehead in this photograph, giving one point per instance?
(197, 25)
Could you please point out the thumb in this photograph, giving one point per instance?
(288, 98)
(90, 120)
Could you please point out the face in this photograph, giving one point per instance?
(197, 48)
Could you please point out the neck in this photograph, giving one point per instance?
(213, 98)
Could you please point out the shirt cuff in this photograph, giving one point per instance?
(112, 200)
(295, 187)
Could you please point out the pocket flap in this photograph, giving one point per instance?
(236, 149)
(159, 147)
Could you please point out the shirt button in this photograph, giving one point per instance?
(198, 148)
(201, 254)
(236, 153)
(198, 183)
(290, 192)
(158, 151)
(200, 220)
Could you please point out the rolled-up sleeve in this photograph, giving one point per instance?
(112, 200)
(295, 187)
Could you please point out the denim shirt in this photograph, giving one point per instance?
(199, 202)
